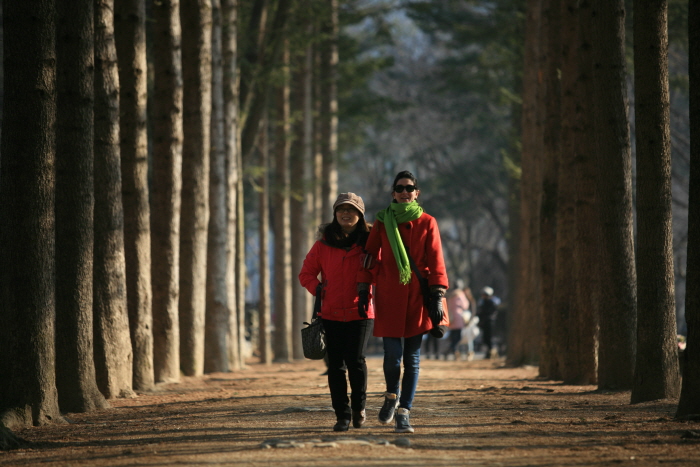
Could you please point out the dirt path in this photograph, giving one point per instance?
(465, 413)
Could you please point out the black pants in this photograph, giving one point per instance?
(346, 344)
(486, 336)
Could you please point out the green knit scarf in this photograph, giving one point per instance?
(395, 214)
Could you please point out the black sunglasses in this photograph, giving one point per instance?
(408, 188)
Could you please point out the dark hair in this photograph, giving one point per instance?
(332, 233)
(405, 174)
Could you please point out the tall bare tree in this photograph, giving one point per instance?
(565, 301)
(195, 16)
(689, 403)
(167, 188)
(75, 202)
(234, 181)
(524, 329)
(264, 334)
(27, 179)
(281, 222)
(586, 244)
(113, 354)
(218, 304)
(551, 11)
(328, 115)
(130, 30)
(300, 160)
(656, 374)
(618, 291)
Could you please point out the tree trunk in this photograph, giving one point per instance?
(689, 402)
(195, 16)
(233, 173)
(328, 115)
(75, 202)
(167, 187)
(618, 292)
(656, 373)
(217, 304)
(113, 355)
(565, 311)
(299, 183)
(130, 28)
(549, 365)
(281, 225)
(587, 237)
(264, 335)
(27, 235)
(524, 337)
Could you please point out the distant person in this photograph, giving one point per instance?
(347, 315)
(487, 312)
(471, 327)
(402, 234)
(457, 306)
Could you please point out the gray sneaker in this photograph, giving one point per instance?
(402, 423)
(386, 413)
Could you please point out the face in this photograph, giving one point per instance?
(348, 217)
(405, 196)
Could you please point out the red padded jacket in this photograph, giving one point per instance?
(338, 269)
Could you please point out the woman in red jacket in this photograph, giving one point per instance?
(347, 320)
(404, 312)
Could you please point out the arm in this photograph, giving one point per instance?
(308, 277)
(372, 247)
(436, 262)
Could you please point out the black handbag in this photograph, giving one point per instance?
(313, 337)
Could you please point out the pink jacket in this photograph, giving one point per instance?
(338, 269)
(457, 303)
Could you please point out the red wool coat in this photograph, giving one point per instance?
(399, 308)
(338, 269)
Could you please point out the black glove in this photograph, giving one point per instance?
(363, 303)
(435, 310)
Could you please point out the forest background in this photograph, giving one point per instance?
(164, 167)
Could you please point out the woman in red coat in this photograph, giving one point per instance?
(403, 312)
(347, 315)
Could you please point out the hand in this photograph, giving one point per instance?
(435, 310)
(363, 303)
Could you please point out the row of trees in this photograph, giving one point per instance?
(132, 155)
(130, 130)
(604, 303)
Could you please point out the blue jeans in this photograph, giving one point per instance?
(407, 348)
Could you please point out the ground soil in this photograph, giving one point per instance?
(465, 413)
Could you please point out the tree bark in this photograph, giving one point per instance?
(656, 373)
(264, 334)
(618, 291)
(565, 311)
(233, 173)
(281, 224)
(299, 183)
(130, 28)
(27, 230)
(524, 331)
(113, 355)
(217, 304)
(587, 237)
(167, 188)
(328, 115)
(549, 365)
(689, 402)
(75, 202)
(195, 16)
